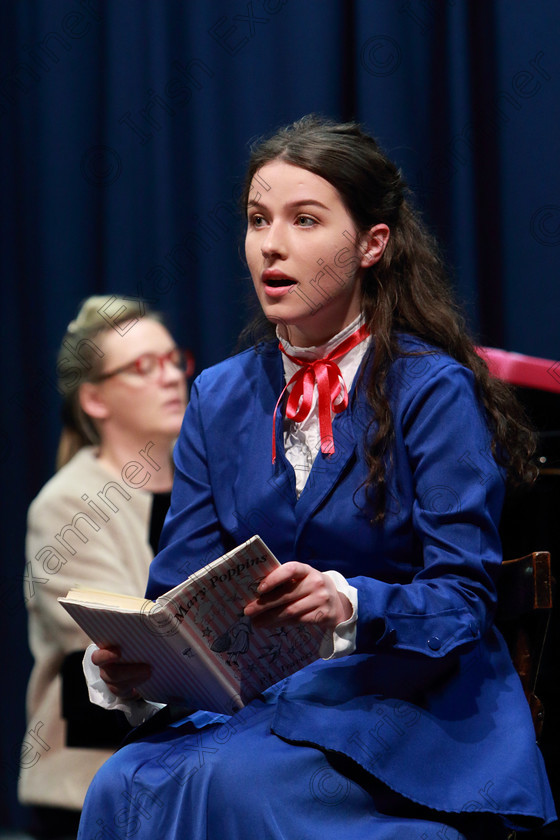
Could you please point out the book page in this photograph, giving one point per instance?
(129, 603)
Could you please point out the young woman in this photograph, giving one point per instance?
(368, 447)
(95, 523)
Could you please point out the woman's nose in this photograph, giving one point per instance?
(274, 242)
(169, 372)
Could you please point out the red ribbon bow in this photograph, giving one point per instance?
(326, 373)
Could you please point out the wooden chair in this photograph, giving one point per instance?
(525, 591)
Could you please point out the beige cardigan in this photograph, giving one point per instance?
(85, 527)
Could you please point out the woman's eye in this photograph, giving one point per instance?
(145, 363)
(256, 221)
(305, 221)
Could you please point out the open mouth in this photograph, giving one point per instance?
(279, 282)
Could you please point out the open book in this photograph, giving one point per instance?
(203, 651)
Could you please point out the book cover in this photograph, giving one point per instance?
(203, 651)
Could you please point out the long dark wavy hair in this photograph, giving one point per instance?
(407, 290)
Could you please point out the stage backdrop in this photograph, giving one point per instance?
(124, 134)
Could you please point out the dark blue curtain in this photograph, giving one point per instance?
(124, 135)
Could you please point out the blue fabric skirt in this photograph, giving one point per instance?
(210, 777)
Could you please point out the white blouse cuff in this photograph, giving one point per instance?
(342, 642)
(136, 711)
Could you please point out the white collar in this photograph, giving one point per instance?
(322, 350)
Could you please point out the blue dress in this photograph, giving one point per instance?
(424, 731)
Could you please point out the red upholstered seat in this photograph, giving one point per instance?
(525, 371)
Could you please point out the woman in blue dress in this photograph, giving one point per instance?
(363, 439)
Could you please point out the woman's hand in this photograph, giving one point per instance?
(120, 677)
(296, 593)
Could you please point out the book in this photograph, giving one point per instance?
(203, 651)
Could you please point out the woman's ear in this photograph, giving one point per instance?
(91, 401)
(372, 244)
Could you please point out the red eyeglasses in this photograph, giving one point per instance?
(149, 365)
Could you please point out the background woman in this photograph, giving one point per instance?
(95, 523)
(368, 447)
